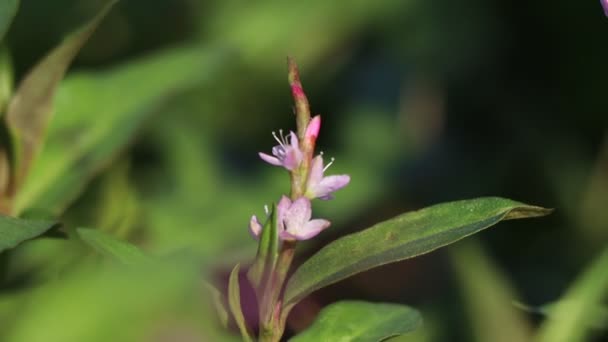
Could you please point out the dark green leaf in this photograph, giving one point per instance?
(31, 107)
(14, 231)
(121, 251)
(8, 9)
(351, 321)
(402, 237)
(570, 317)
(234, 301)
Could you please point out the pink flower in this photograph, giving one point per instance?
(323, 187)
(293, 220)
(605, 6)
(296, 221)
(287, 155)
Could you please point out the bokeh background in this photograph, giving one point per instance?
(422, 102)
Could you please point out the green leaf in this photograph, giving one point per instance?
(97, 114)
(570, 317)
(268, 251)
(8, 9)
(488, 296)
(218, 304)
(121, 251)
(234, 301)
(351, 321)
(14, 231)
(6, 77)
(31, 107)
(405, 236)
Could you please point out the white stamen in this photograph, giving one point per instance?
(266, 209)
(280, 141)
(329, 164)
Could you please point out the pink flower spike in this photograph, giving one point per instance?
(297, 223)
(287, 155)
(323, 187)
(605, 6)
(312, 130)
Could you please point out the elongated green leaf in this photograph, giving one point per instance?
(488, 296)
(234, 301)
(6, 77)
(8, 9)
(30, 109)
(570, 316)
(358, 321)
(218, 304)
(14, 231)
(121, 251)
(400, 238)
(97, 114)
(268, 251)
(597, 313)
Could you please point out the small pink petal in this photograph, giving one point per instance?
(298, 214)
(316, 171)
(255, 227)
(310, 229)
(270, 159)
(294, 142)
(331, 184)
(292, 159)
(312, 131)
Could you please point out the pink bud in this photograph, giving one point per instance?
(312, 130)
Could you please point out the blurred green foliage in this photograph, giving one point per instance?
(156, 127)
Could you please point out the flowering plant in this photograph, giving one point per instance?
(291, 221)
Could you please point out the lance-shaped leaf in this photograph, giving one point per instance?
(358, 321)
(268, 251)
(402, 237)
(107, 245)
(31, 107)
(14, 231)
(8, 9)
(571, 316)
(234, 301)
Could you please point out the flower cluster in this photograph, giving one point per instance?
(294, 215)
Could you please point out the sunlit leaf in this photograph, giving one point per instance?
(8, 9)
(402, 237)
(98, 113)
(359, 321)
(14, 231)
(31, 106)
(570, 316)
(105, 244)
